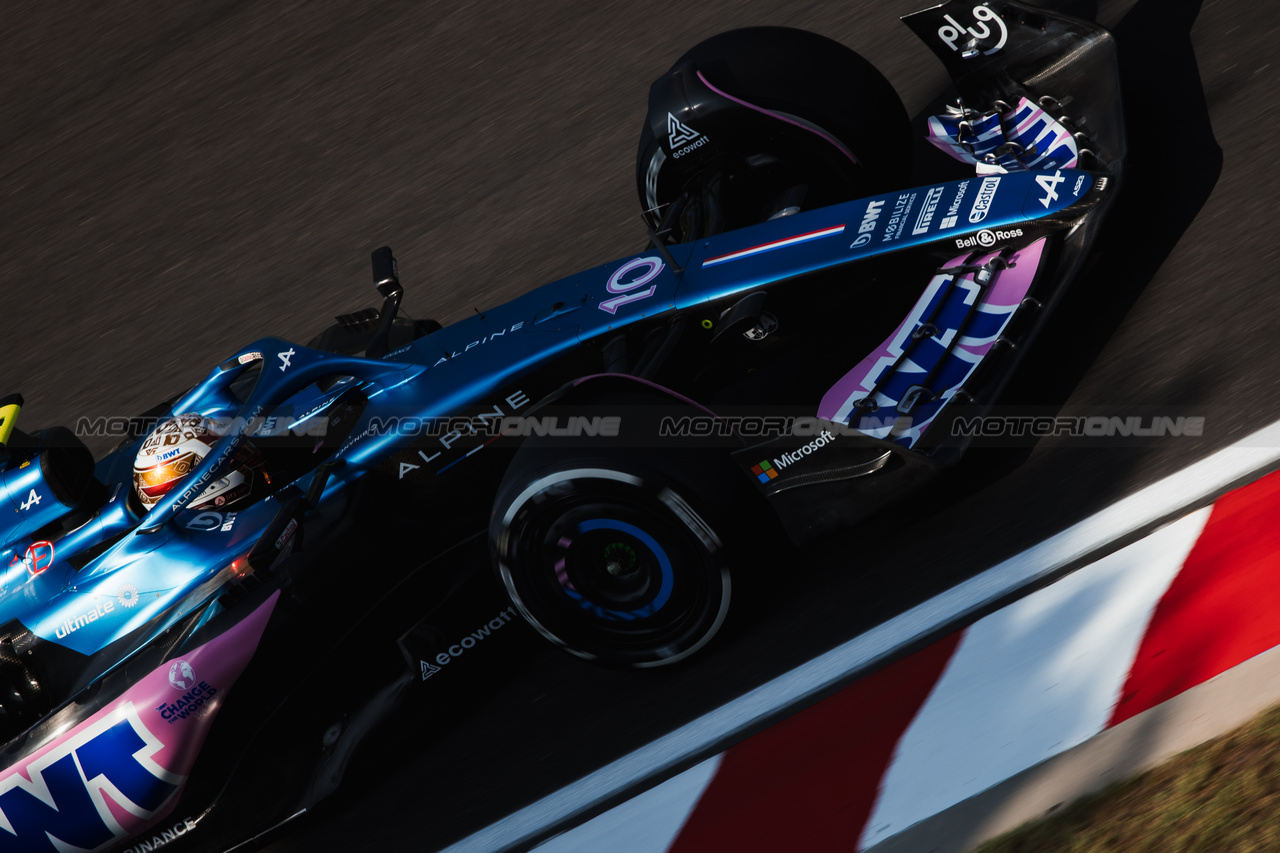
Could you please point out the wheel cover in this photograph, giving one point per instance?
(624, 565)
(606, 570)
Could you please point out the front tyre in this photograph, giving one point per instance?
(614, 565)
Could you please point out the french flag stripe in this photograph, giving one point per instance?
(776, 244)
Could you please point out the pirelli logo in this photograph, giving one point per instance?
(925, 218)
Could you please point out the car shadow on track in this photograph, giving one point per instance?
(1174, 163)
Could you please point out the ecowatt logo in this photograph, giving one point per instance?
(467, 642)
(680, 134)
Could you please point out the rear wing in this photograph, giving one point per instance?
(1040, 116)
(1000, 49)
(1028, 79)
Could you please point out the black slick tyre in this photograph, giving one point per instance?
(614, 562)
(759, 122)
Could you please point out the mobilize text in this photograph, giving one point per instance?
(893, 229)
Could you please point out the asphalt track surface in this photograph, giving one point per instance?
(177, 179)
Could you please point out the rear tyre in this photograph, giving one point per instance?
(614, 562)
(765, 121)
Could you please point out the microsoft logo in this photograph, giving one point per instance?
(764, 471)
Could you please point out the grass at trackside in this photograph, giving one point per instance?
(1221, 797)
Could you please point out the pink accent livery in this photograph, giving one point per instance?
(173, 730)
(1003, 298)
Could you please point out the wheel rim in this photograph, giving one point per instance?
(612, 569)
(607, 571)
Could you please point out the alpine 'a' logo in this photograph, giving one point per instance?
(1050, 186)
(677, 133)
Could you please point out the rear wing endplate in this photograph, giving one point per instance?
(998, 49)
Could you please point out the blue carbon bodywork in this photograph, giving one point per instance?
(545, 322)
(175, 559)
(123, 630)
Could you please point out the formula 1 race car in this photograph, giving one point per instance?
(794, 349)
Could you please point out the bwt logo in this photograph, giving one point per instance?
(868, 224)
(64, 804)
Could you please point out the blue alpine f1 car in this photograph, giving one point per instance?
(271, 562)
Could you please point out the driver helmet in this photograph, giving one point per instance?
(175, 448)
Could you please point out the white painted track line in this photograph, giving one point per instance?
(651, 822)
(1030, 681)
